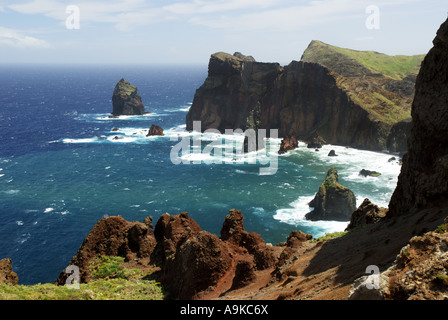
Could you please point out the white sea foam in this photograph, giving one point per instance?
(11, 192)
(83, 140)
(48, 210)
(295, 215)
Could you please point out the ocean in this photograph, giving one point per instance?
(64, 164)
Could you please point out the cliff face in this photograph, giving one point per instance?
(234, 86)
(307, 100)
(423, 181)
(338, 94)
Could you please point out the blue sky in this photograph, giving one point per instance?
(188, 31)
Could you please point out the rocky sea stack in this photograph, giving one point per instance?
(333, 201)
(126, 100)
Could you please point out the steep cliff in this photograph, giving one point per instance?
(346, 97)
(234, 86)
(423, 181)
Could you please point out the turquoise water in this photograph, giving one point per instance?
(61, 168)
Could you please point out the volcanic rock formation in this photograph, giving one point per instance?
(126, 100)
(333, 201)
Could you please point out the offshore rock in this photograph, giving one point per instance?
(126, 100)
(155, 131)
(333, 201)
(289, 142)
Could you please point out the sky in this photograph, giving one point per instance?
(189, 31)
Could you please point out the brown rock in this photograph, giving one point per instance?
(172, 231)
(112, 236)
(233, 232)
(7, 276)
(366, 213)
(198, 265)
(155, 131)
(289, 142)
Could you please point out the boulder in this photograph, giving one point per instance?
(155, 131)
(366, 213)
(368, 173)
(332, 153)
(126, 100)
(333, 201)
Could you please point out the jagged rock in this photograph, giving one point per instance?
(289, 142)
(333, 201)
(332, 153)
(112, 236)
(315, 142)
(155, 131)
(7, 275)
(172, 231)
(126, 100)
(366, 213)
(420, 270)
(423, 180)
(198, 265)
(233, 231)
(368, 173)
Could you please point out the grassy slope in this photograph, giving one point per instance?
(112, 280)
(395, 67)
(369, 93)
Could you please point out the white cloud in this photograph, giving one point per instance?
(232, 15)
(16, 38)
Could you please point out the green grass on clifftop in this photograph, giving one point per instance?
(396, 67)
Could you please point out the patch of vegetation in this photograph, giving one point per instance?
(112, 280)
(442, 228)
(112, 289)
(329, 236)
(442, 279)
(396, 67)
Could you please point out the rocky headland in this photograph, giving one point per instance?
(126, 100)
(340, 96)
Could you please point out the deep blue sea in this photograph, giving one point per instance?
(64, 164)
